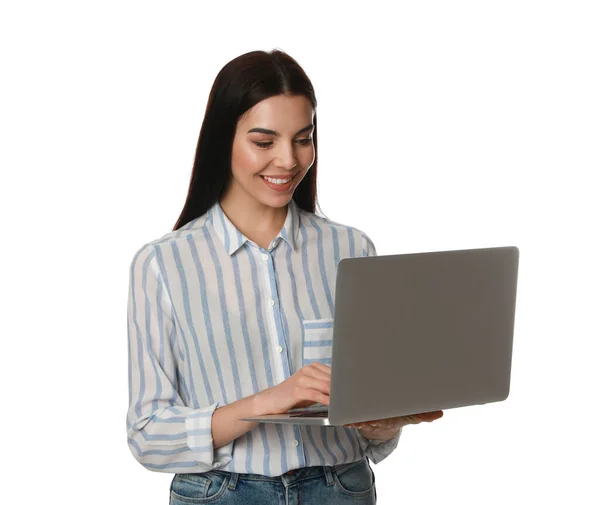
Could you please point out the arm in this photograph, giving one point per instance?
(164, 434)
(378, 450)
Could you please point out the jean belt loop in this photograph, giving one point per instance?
(328, 475)
(232, 481)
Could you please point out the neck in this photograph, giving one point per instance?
(256, 220)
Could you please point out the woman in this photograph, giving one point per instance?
(218, 308)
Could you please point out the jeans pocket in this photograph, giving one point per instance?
(317, 341)
(192, 488)
(356, 480)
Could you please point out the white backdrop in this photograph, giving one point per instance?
(442, 125)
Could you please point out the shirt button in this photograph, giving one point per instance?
(265, 257)
(295, 443)
(271, 302)
(279, 348)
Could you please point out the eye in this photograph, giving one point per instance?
(303, 142)
(263, 145)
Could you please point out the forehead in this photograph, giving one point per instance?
(280, 113)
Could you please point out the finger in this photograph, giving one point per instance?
(431, 416)
(317, 370)
(355, 425)
(321, 367)
(321, 386)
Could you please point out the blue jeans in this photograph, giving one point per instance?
(314, 485)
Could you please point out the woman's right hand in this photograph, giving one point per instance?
(307, 386)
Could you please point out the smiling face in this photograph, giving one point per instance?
(273, 138)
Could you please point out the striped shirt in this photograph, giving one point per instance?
(212, 317)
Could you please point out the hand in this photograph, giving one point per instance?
(385, 429)
(309, 385)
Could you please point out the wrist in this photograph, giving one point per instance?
(377, 438)
(257, 406)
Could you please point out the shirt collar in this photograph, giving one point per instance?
(233, 238)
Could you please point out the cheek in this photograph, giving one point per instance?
(308, 157)
(247, 160)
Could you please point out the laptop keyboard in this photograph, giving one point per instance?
(314, 413)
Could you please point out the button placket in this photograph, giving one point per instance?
(275, 317)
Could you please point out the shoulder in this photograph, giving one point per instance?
(148, 250)
(336, 229)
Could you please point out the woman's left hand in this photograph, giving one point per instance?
(386, 429)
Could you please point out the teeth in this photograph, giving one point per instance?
(278, 181)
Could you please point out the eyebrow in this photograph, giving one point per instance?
(271, 132)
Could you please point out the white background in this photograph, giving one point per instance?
(442, 125)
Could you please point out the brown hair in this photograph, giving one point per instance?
(241, 84)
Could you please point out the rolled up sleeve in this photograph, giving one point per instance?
(378, 450)
(163, 433)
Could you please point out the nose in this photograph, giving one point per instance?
(287, 158)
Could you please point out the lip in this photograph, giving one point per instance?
(286, 176)
(283, 188)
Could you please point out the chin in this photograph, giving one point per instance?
(281, 202)
(276, 201)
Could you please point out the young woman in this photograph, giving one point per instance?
(219, 308)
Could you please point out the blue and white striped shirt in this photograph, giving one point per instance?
(212, 317)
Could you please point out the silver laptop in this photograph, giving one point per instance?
(417, 333)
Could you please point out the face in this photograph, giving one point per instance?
(280, 145)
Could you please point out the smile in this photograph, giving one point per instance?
(278, 186)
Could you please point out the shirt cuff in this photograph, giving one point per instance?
(378, 450)
(200, 440)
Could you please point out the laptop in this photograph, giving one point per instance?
(416, 333)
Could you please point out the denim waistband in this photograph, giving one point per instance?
(295, 474)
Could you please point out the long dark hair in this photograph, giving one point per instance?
(241, 84)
